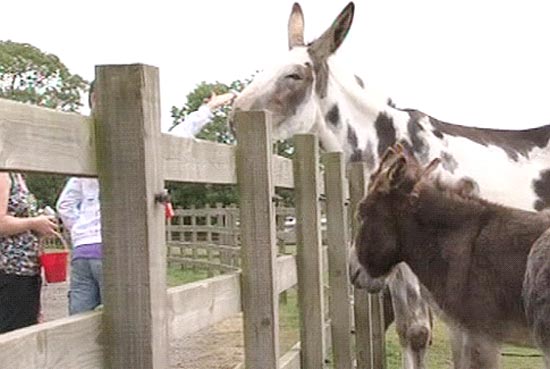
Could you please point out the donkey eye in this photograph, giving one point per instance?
(294, 76)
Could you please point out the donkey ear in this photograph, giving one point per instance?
(397, 171)
(296, 27)
(333, 37)
(389, 153)
(431, 167)
(399, 148)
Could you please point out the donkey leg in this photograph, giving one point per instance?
(413, 320)
(546, 359)
(416, 345)
(475, 351)
(389, 316)
(414, 339)
(456, 337)
(404, 303)
(542, 338)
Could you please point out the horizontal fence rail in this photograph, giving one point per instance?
(64, 143)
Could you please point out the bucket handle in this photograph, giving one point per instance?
(49, 211)
(60, 237)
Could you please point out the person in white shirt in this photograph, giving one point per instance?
(195, 121)
(78, 208)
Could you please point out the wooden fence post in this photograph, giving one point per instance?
(130, 171)
(309, 254)
(363, 349)
(337, 238)
(168, 231)
(378, 331)
(258, 239)
(194, 238)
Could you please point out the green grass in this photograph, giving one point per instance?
(289, 322)
(439, 354)
(177, 276)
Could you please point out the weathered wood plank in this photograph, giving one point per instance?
(73, 342)
(258, 239)
(378, 331)
(309, 254)
(363, 344)
(282, 172)
(186, 245)
(65, 143)
(212, 162)
(191, 160)
(291, 358)
(287, 276)
(60, 142)
(202, 264)
(337, 236)
(200, 304)
(129, 157)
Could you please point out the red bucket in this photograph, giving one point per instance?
(55, 266)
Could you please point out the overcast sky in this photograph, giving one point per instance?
(472, 62)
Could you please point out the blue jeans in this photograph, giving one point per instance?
(86, 286)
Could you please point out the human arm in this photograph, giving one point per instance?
(9, 225)
(193, 122)
(196, 120)
(69, 201)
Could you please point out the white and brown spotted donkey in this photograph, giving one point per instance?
(311, 92)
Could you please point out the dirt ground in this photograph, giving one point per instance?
(216, 347)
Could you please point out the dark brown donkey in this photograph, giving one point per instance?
(469, 253)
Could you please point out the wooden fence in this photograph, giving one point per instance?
(123, 146)
(205, 238)
(209, 238)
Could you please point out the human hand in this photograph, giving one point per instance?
(44, 225)
(217, 101)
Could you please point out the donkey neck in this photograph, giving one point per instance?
(356, 121)
(441, 206)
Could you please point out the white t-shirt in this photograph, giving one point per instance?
(193, 122)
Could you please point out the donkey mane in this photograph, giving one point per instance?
(513, 142)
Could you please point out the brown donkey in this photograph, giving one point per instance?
(469, 253)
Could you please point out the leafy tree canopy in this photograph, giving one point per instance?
(30, 75)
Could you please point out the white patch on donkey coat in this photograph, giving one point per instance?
(309, 92)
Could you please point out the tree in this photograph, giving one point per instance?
(30, 75)
(45, 187)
